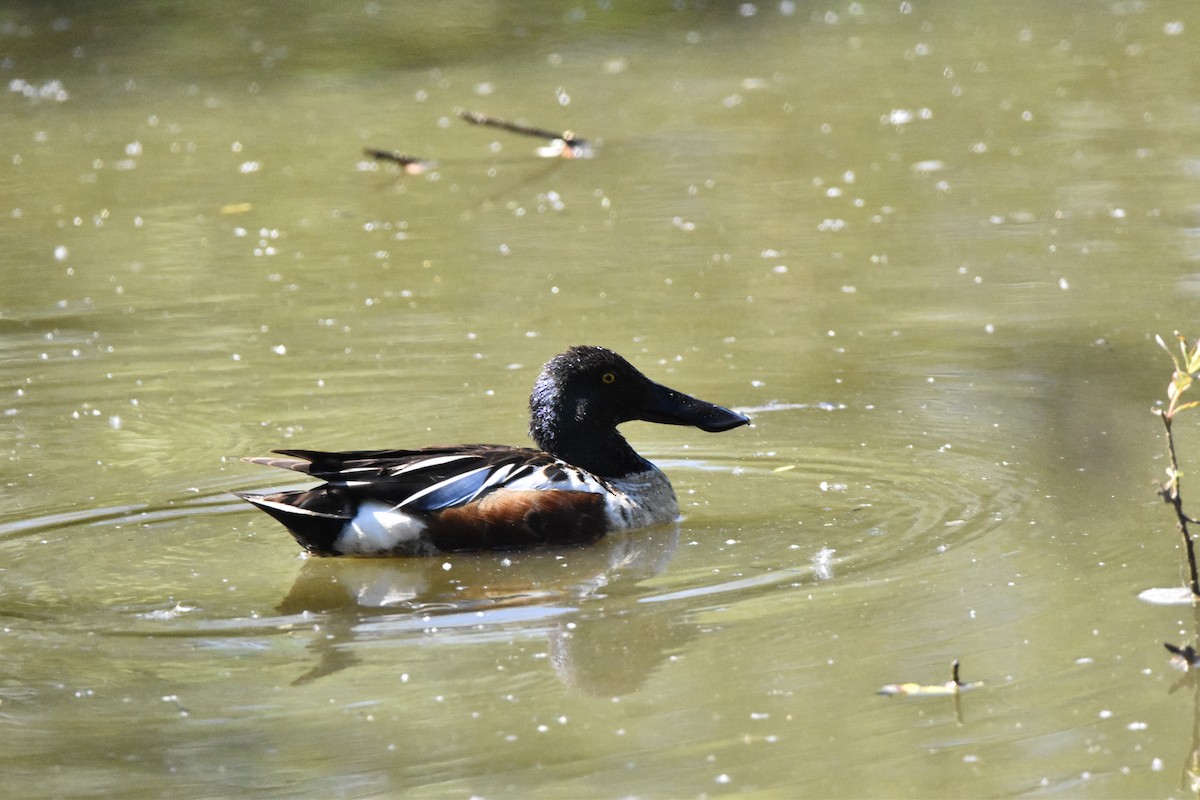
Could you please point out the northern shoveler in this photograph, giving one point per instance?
(584, 480)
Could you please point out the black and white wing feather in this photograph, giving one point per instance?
(436, 478)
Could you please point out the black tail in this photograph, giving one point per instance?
(315, 518)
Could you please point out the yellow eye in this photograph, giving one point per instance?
(608, 377)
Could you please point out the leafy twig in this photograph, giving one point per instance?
(1186, 372)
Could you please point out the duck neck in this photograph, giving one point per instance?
(599, 449)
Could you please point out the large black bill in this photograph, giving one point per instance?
(675, 408)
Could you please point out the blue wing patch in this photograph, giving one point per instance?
(450, 492)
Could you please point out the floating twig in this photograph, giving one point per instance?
(952, 687)
(410, 164)
(561, 145)
(1183, 658)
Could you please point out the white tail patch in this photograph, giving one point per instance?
(379, 528)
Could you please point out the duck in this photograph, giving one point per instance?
(582, 481)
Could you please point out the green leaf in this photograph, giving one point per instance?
(1163, 345)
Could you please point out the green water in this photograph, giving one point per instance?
(925, 246)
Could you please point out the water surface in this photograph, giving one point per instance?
(926, 247)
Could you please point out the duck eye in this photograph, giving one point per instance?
(608, 377)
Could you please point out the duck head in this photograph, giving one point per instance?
(584, 393)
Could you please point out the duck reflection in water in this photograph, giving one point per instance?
(605, 649)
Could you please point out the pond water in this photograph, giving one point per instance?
(925, 246)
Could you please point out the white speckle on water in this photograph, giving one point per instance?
(246, 167)
(60, 253)
(823, 563)
(51, 90)
(1173, 28)
(279, 350)
(162, 615)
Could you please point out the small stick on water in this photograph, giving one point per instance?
(515, 127)
(954, 686)
(410, 164)
(561, 145)
(1183, 658)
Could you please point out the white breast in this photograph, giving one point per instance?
(640, 500)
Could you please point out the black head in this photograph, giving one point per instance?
(583, 394)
